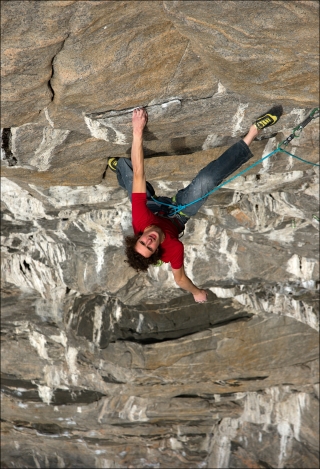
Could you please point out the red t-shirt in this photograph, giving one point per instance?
(142, 217)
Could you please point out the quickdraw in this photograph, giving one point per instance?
(313, 115)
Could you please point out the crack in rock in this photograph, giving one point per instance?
(52, 67)
(7, 154)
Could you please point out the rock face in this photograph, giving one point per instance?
(105, 368)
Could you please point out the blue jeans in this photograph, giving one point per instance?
(206, 180)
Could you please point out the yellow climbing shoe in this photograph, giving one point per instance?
(269, 118)
(112, 163)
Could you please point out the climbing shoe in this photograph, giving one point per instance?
(269, 118)
(112, 163)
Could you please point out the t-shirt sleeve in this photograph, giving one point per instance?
(177, 252)
(141, 215)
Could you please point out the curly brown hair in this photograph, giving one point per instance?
(136, 260)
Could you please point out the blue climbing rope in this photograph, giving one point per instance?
(313, 115)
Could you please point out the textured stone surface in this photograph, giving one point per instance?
(48, 156)
(247, 44)
(105, 368)
(148, 56)
(28, 49)
(181, 402)
(120, 354)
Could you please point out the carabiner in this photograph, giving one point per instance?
(315, 113)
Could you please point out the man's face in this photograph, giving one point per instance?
(148, 242)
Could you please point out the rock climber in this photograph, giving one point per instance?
(156, 230)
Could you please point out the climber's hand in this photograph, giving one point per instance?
(200, 297)
(139, 121)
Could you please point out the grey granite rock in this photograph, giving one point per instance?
(105, 368)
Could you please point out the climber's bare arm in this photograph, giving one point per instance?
(139, 121)
(200, 296)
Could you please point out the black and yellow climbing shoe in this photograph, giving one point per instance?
(112, 164)
(269, 118)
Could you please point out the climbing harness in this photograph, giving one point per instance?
(161, 206)
(175, 209)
